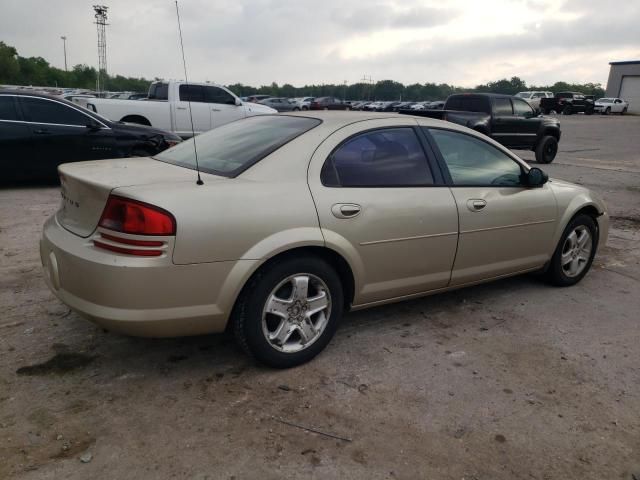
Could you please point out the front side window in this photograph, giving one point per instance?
(218, 95)
(502, 106)
(473, 162)
(522, 108)
(40, 110)
(8, 108)
(232, 148)
(380, 158)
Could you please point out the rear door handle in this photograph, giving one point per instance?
(181, 108)
(345, 210)
(476, 204)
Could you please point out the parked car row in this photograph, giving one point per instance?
(39, 132)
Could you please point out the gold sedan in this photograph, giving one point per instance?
(301, 217)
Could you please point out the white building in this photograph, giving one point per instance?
(624, 82)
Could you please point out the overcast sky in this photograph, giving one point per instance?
(256, 42)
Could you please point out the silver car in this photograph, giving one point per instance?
(299, 218)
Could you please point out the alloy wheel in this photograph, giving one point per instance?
(576, 251)
(296, 312)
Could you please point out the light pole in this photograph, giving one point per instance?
(64, 46)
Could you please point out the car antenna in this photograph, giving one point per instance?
(186, 79)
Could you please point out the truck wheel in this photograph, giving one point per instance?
(547, 111)
(589, 111)
(567, 110)
(546, 149)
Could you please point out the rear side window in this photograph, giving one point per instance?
(40, 110)
(191, 93)
(380, 158)
(502, 106)
(473, 162)
(159, 91)
(8, 108)
(468, 104)
(232, 148)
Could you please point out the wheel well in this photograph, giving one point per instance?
(330, 256)
(588, 210)
(552, 132)
(139, 119)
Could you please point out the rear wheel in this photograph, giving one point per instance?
(567, 110)
(289, 311)
(547, 149)
(607, 110)
(546, 111)
(575, 251)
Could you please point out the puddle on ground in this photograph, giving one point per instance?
(59, 364)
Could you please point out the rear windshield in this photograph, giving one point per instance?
(468, 104)
(232, 148)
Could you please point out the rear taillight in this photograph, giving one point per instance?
(138, 218)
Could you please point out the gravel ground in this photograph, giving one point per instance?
(509, 380)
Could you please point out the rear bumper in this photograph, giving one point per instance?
(148, 297)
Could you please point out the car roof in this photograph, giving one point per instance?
(335, 119)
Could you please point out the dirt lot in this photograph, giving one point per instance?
(510, 380)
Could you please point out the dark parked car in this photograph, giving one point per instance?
(508, 120)
(329, 103)
(280, 104)
(39, 132)
(568, 103)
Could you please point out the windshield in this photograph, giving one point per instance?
(524, 94)
(232, 148)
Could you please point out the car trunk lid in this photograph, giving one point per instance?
(85, 187)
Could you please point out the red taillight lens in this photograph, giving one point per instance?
(138, 218)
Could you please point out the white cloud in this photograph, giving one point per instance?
(312, 41)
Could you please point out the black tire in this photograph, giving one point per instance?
(567, 110)
(546, 111)
(296, 109)
(248, 314)
(555, 272)
(588, 111)
(547, 149)
(607, 110)
(624, 110)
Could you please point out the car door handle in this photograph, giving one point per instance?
(181, 108)
(345, 210)
(41, 131)
(215, 109)
(476, 204)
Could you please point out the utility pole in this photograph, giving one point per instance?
(101, 23)
(64, 46)
(344, 95)
(368, 80)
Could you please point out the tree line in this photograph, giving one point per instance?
(17, 70)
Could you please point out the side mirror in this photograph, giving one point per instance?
(536, 177)
(238, 102)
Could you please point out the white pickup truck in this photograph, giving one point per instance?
(167, 107)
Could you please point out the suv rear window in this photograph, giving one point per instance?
(232, 148)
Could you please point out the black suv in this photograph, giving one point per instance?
(568, 103)
(509, 120)
(39, 132)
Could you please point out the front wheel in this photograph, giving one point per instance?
(575, 251)
(567, 110)
(547, 149)
(607, 110)
(289, 311)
